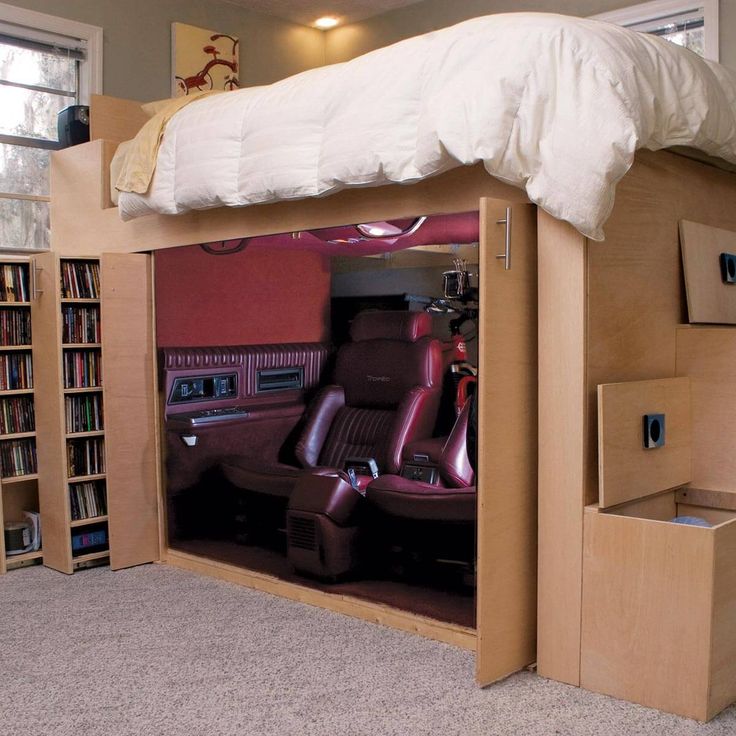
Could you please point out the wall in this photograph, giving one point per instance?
(137, 40)
(257, 296)
(350, 41)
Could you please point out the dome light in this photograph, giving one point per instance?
(325, 22)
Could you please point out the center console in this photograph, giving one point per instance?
(322, 526)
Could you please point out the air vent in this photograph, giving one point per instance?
(279, 379)
(302, 532)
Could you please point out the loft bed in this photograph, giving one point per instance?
(571, 314)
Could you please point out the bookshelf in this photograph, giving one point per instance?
(19, 490)
(97, 457)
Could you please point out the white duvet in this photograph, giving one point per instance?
(553, 104)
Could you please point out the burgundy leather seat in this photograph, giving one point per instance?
(453, 498)
(386, 393)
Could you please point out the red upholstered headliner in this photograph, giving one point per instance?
(253, 297)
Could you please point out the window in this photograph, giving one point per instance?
(689, 23)
(46, 64)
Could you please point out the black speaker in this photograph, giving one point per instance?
(73, 125)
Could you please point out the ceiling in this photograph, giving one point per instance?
(307, 11)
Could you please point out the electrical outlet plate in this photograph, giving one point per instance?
(653, 426)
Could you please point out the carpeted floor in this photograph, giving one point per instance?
(154, 650)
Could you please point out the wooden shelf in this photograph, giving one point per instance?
(85, 478)
(16, 436)
(18, 478)
(15, 304)
(15, 392)
(25, 557)
(76, 435)
(76, 559)
(80, 345)
(79, 301)
(88, 521)
(82, 390)
(15, 347)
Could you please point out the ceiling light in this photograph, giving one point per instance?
(325, 22)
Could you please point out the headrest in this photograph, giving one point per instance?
(379, 325)
(382, 378)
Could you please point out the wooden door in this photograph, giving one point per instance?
(131, 437)
(507, 429)
(48, 384)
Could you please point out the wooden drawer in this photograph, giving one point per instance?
(659, 604)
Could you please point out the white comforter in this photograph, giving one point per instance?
(553, 104)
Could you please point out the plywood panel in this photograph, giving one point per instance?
(115, 119)
(708, 356)
(627, 470)
(562, 445)
(709, 299)
(507, 462)
(81, 226)
(378, 613)
(647, 612)
(702, 497)
(723, 637)
(49, 408)
(130, 409)
(661, 507)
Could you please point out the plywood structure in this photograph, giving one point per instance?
(507, 423)
(709, 298)
(608, 313)
(81, 208)
(708, 356)
(50, 423)
(631, 300)
(115, 119)
(128, 365)
(562, 262)
(657, 613)
(627, 469)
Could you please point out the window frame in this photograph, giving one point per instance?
(643, 12)
(45, 28)
(36, 26)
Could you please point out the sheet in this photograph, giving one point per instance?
(549, 103)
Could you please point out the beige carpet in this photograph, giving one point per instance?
(158, 651)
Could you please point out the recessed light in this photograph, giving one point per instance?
(325, 22)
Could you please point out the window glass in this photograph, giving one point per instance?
(24, 170)
(26, 112)
(24, 224)
(683, 29)
(37, 81)
(30, 66)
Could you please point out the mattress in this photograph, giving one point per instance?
(555, 105)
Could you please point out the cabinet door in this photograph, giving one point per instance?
(131, 439)
(48, 381)
(507, 433)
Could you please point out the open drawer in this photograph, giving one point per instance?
(659, 598)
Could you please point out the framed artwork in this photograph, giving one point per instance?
(203, 60)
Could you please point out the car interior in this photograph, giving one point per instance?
(345, 465)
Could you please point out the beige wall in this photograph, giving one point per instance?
(137, 45)
(428, 15)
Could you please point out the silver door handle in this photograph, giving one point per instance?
(506, 255)
(35, 291)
